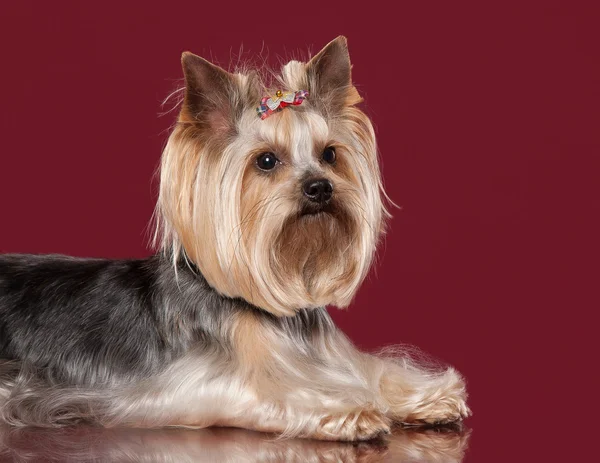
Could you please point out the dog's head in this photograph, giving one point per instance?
(286, 211)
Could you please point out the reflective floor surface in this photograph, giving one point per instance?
(218, 445)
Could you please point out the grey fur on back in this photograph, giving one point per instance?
(94, 321)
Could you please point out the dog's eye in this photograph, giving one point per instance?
(329, 155)
(266, 161)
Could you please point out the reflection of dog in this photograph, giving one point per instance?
(220, 445)
(262, 222)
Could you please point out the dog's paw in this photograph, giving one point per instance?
(446, 404)
(359, 425)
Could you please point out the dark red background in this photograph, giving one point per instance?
(487, 117)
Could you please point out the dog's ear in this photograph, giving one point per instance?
(210, 94)
(329, 74)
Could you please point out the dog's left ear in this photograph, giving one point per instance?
(329, 74)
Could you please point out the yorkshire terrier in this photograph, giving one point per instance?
(269, 209)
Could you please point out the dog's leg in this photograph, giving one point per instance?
(304, 385)
(330, 390)
(404, 390)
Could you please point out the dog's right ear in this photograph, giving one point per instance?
(209, 93)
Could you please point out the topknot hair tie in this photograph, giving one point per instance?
(272, 104)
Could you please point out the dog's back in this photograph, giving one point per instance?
(80, 320)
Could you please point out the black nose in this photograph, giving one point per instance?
(318, 190)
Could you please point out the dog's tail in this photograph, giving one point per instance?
(28, 399)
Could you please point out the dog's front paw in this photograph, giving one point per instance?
(445, 403)
(358, 425)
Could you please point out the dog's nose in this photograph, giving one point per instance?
(318, 190)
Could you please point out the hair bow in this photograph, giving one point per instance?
(271, 104)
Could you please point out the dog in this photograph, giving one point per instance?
(270, 208)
